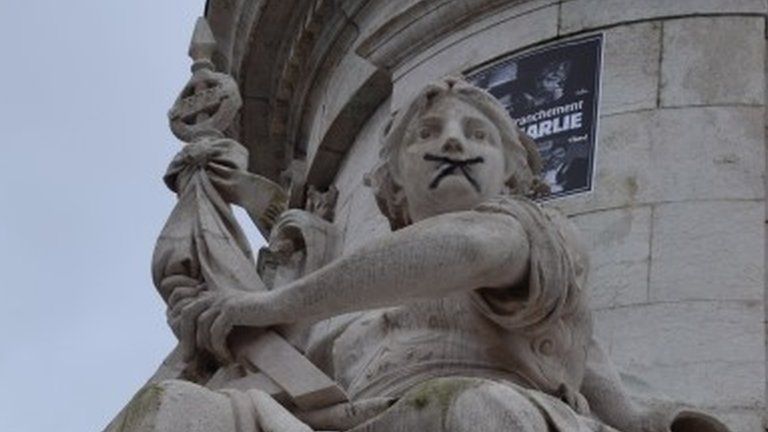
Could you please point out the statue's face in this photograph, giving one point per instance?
(452, 160)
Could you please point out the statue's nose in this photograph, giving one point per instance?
(453, 145)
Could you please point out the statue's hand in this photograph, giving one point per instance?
(182, 291)
(223, 310)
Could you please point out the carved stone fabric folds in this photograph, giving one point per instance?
(202, 239)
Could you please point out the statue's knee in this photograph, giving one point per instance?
(176, 406)
(494, 407)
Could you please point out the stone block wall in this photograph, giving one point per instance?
(676, 221)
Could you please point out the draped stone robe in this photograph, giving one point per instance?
(530, 336)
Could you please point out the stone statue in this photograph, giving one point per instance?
(471, 315)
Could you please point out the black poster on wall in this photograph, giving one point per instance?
(553, 94)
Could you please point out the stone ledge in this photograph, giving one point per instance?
(501, 17)
(474, 46)
(580, 15)
(419, 25)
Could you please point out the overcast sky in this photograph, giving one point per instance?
(86, 85)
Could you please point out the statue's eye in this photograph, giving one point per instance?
(425, 132)
(479, 134)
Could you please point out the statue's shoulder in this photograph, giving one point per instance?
(542, 216)
(516, 205)
(573, 238)
(524, 207)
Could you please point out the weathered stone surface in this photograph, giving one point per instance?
(625, 137)
(419, 26)
(618, 245)
(721, 157)
(708, 250)
(343, 107)
(500, 19)
(328, 99)
(350, 82)
(376, 13)
(713, 61)
(364, 222)
(717, 383)
(585, 14)
(714, 350)
(741, 419)
(362, 156)
(228, 20)
(631, 68)
(255, 116)
(177, 406)
(474, 45)
(658, 156)
(324, 163)
(358, 218)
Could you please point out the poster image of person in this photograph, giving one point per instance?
(553, 95)
(549, 86)
(565, 170)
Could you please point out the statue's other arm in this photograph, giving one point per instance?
(434, 258)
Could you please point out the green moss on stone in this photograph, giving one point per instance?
(439, 393)
(145, 402)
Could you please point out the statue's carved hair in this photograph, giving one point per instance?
(523, 163)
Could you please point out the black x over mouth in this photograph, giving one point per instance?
(450, 165)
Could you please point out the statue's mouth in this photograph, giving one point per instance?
(449, 166)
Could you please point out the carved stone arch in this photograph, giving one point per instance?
(284, 53)
(280, 52)
(421, 24)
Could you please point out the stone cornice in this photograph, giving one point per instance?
(421, 25)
